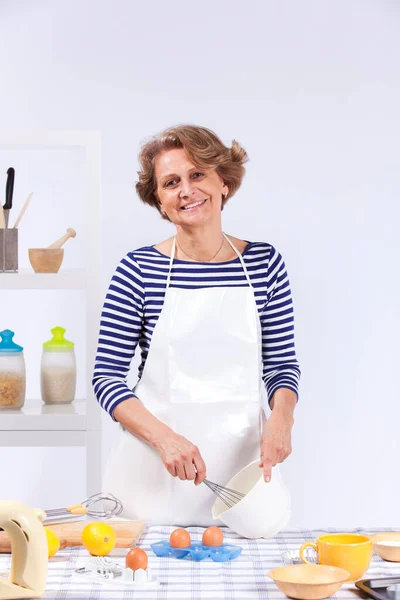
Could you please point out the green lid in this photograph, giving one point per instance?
(58, 343)
(6, 344)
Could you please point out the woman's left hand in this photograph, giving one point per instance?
(276, 441)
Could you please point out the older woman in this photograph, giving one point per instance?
(213, 317)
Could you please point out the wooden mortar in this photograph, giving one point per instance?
(46, 260)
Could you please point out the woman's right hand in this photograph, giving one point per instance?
(181, 458)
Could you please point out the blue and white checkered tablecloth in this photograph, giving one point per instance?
(243, 578)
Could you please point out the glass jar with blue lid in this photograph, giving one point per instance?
(12, 372)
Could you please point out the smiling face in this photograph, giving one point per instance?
(188, 195)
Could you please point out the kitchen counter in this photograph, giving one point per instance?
(243, 578)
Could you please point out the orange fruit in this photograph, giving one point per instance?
(53, 543)
(99, 538)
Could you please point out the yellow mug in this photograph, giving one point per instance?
(349, 551)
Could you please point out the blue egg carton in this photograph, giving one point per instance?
(198, 551)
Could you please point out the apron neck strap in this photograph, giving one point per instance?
(240, 258)
(171, 260)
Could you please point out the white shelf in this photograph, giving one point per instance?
(28, 279)
(45, 438)
(37, 416)
(55, 138)
(78, 424)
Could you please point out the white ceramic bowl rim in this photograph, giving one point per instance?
(227, 510)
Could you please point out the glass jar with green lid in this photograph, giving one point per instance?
(58, 369)
(12, 372)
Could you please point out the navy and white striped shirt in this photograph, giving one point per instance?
(136, 295)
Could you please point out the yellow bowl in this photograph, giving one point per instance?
(387, 545)
(46, 260)
(309, 582)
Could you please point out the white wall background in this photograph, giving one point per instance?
(312, 91)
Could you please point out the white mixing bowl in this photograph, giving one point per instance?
(264, 510)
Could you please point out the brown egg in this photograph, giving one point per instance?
(180, 538)
(213, 536)
(136, 559)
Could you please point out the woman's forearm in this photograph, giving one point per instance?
(136, 419)
(276, 444)
(284, 402)
(181, 458)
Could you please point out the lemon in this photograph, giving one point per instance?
(99, 538)
(53, 542)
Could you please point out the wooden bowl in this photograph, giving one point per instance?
(46, 260)
(387, 545)
(309, 582)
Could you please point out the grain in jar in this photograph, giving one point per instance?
(12, 372)
(58, 369)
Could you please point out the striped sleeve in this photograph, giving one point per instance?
(280, 365)
(120, 327)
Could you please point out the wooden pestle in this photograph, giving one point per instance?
(58, 243)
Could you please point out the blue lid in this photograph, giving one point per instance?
(6, 344)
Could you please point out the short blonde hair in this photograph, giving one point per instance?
(203, 148)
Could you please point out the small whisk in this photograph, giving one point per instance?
(86, 508)
(228, 496)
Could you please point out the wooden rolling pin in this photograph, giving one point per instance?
(71, 233)
(70, 534)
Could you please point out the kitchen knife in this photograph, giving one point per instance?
(9, 193)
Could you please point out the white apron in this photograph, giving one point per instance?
(202, 377)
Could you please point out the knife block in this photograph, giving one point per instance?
(8, 250)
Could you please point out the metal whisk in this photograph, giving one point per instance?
(228, 496)
(86, 508)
